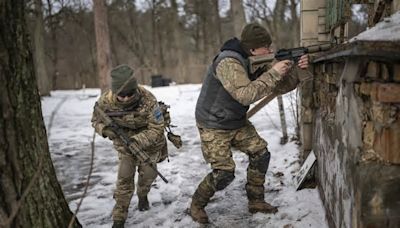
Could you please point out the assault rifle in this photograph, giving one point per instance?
(129, 144)
(293, 54)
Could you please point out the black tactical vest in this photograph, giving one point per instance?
(215, 107)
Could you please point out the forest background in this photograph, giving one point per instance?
(173, 38)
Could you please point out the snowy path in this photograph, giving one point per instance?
(69, 141)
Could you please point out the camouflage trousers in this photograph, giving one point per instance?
(126, 183)
(216, 146)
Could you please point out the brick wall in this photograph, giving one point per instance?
(350, 118)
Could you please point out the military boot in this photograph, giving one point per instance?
(200, 199)
(255, 184)
(255, 195)
(198, 213)
(118, 224)
(143, 203)
(261, 206)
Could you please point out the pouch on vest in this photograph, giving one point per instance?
(163, 154)
(173, 138)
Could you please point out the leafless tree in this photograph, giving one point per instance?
(175, 38)
(238, 16)
(102, 43)
(30, 195)
(44, 82)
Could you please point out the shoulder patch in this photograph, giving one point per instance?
(158, 114)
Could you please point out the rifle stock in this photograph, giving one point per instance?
(129, 144)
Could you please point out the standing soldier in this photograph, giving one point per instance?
(135, 110)
(228, 90)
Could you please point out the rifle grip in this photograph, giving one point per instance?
(296, 59)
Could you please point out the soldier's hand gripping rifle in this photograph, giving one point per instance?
(129, 144)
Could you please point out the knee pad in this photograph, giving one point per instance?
(260, 162)
(222, 178)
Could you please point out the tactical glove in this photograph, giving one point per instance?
(108, 132)
(175, 139)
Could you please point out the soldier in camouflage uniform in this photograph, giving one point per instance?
(226, 94)
(143, 123)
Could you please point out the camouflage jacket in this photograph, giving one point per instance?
(144, 124)
(234, 78)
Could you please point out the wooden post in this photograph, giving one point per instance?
(284, 138)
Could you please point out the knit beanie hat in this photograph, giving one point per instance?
(254, 36)
(121, 76)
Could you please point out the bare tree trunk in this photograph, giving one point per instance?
(153, 32)
(44, 83)
(158, 56)
(102, 43)
(217, 38)
(238, 17)
(279, 28)
(161, 59)
(175, 32)
(158, 33)
(295, 23)
(54, 48)
(205, 27)
(198, 34)
(177, 43)
(30, 195)
(210, 29)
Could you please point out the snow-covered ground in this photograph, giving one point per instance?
(70, 134)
